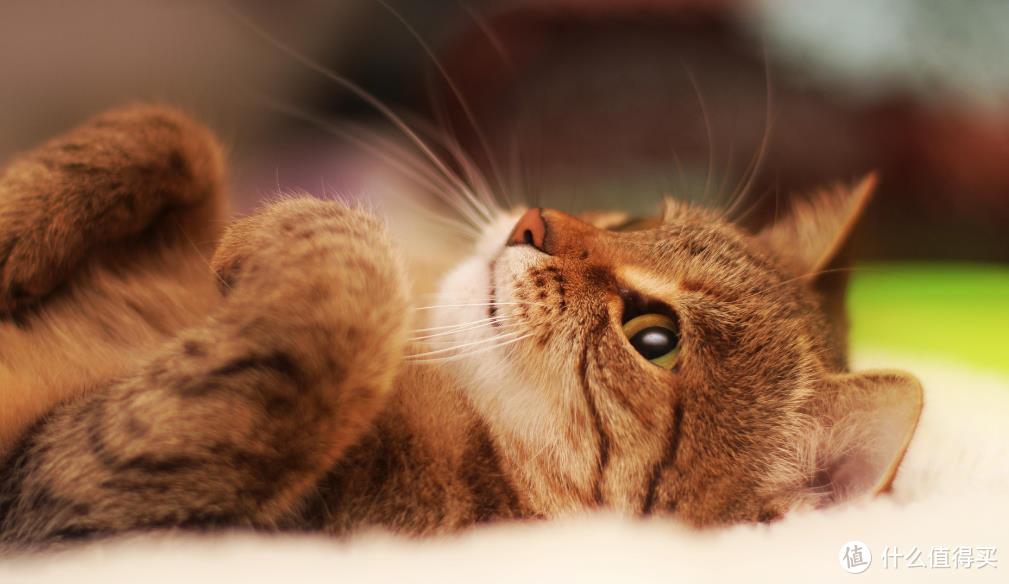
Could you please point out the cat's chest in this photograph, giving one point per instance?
(428, 465)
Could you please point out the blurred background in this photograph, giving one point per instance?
(587, 103)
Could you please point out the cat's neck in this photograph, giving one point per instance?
(545, 449)
(429, 465)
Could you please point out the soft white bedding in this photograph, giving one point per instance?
(950, 492)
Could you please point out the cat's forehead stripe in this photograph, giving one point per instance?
(648, 283)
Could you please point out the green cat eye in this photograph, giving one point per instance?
(656, 337)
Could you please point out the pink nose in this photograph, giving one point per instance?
(531, 229)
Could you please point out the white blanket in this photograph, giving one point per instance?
(948, 505)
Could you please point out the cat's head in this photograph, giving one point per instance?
(673, 365)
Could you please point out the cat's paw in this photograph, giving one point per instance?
(107, 182)
(26, 274)
(284, 234)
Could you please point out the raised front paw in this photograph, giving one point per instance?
(302, 239)
(108, 181)
(24, 277)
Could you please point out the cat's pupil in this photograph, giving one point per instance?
(654, 341)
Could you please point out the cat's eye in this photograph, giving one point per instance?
(656, 337)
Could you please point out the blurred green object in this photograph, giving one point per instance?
(954, 311)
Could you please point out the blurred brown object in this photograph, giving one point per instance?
(594, 92)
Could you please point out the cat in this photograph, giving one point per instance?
(677, 365)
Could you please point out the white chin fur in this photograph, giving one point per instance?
(481, 363)
(465, 292)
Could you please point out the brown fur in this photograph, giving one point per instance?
(110, 224)
(270, 389)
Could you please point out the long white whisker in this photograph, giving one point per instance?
(469, 353)
(459, 324)
(479, 304)
(467, 110)
(407, 165)
(452, 343)
(473, 173)
(449, 326)
(478, 342)
(474, 181)
(478, 194)
(357, 90)
(515, 171)
(466, 328)
(465, 228)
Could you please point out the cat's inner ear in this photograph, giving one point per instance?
(867, 421)
(815, 229)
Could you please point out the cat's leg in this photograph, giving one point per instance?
(104, 238)
(229, 423)
(128, 173)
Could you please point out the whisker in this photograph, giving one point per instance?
(481, 215)
(515, 182)
(679, 171)
(756, 203)
(380, 149)
(355, 89)
(452, 343)
(807, 276)
(493, 339)
(710, 168)
(492, 38)
(724, 181)
(479, 193)
(453, 325)
(463, 102)
(470, 353)
(465, 228)
(457, 324)
(467, 328)
(756, 162)
(479, 304)
(473, 173)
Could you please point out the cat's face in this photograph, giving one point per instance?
(676, 365)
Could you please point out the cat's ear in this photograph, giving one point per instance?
(867, 422)
(815, 229)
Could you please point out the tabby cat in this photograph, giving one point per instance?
(673, 366)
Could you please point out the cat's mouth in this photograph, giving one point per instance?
(474, 297)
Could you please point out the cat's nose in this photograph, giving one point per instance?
(554, 233)
(531, 229)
